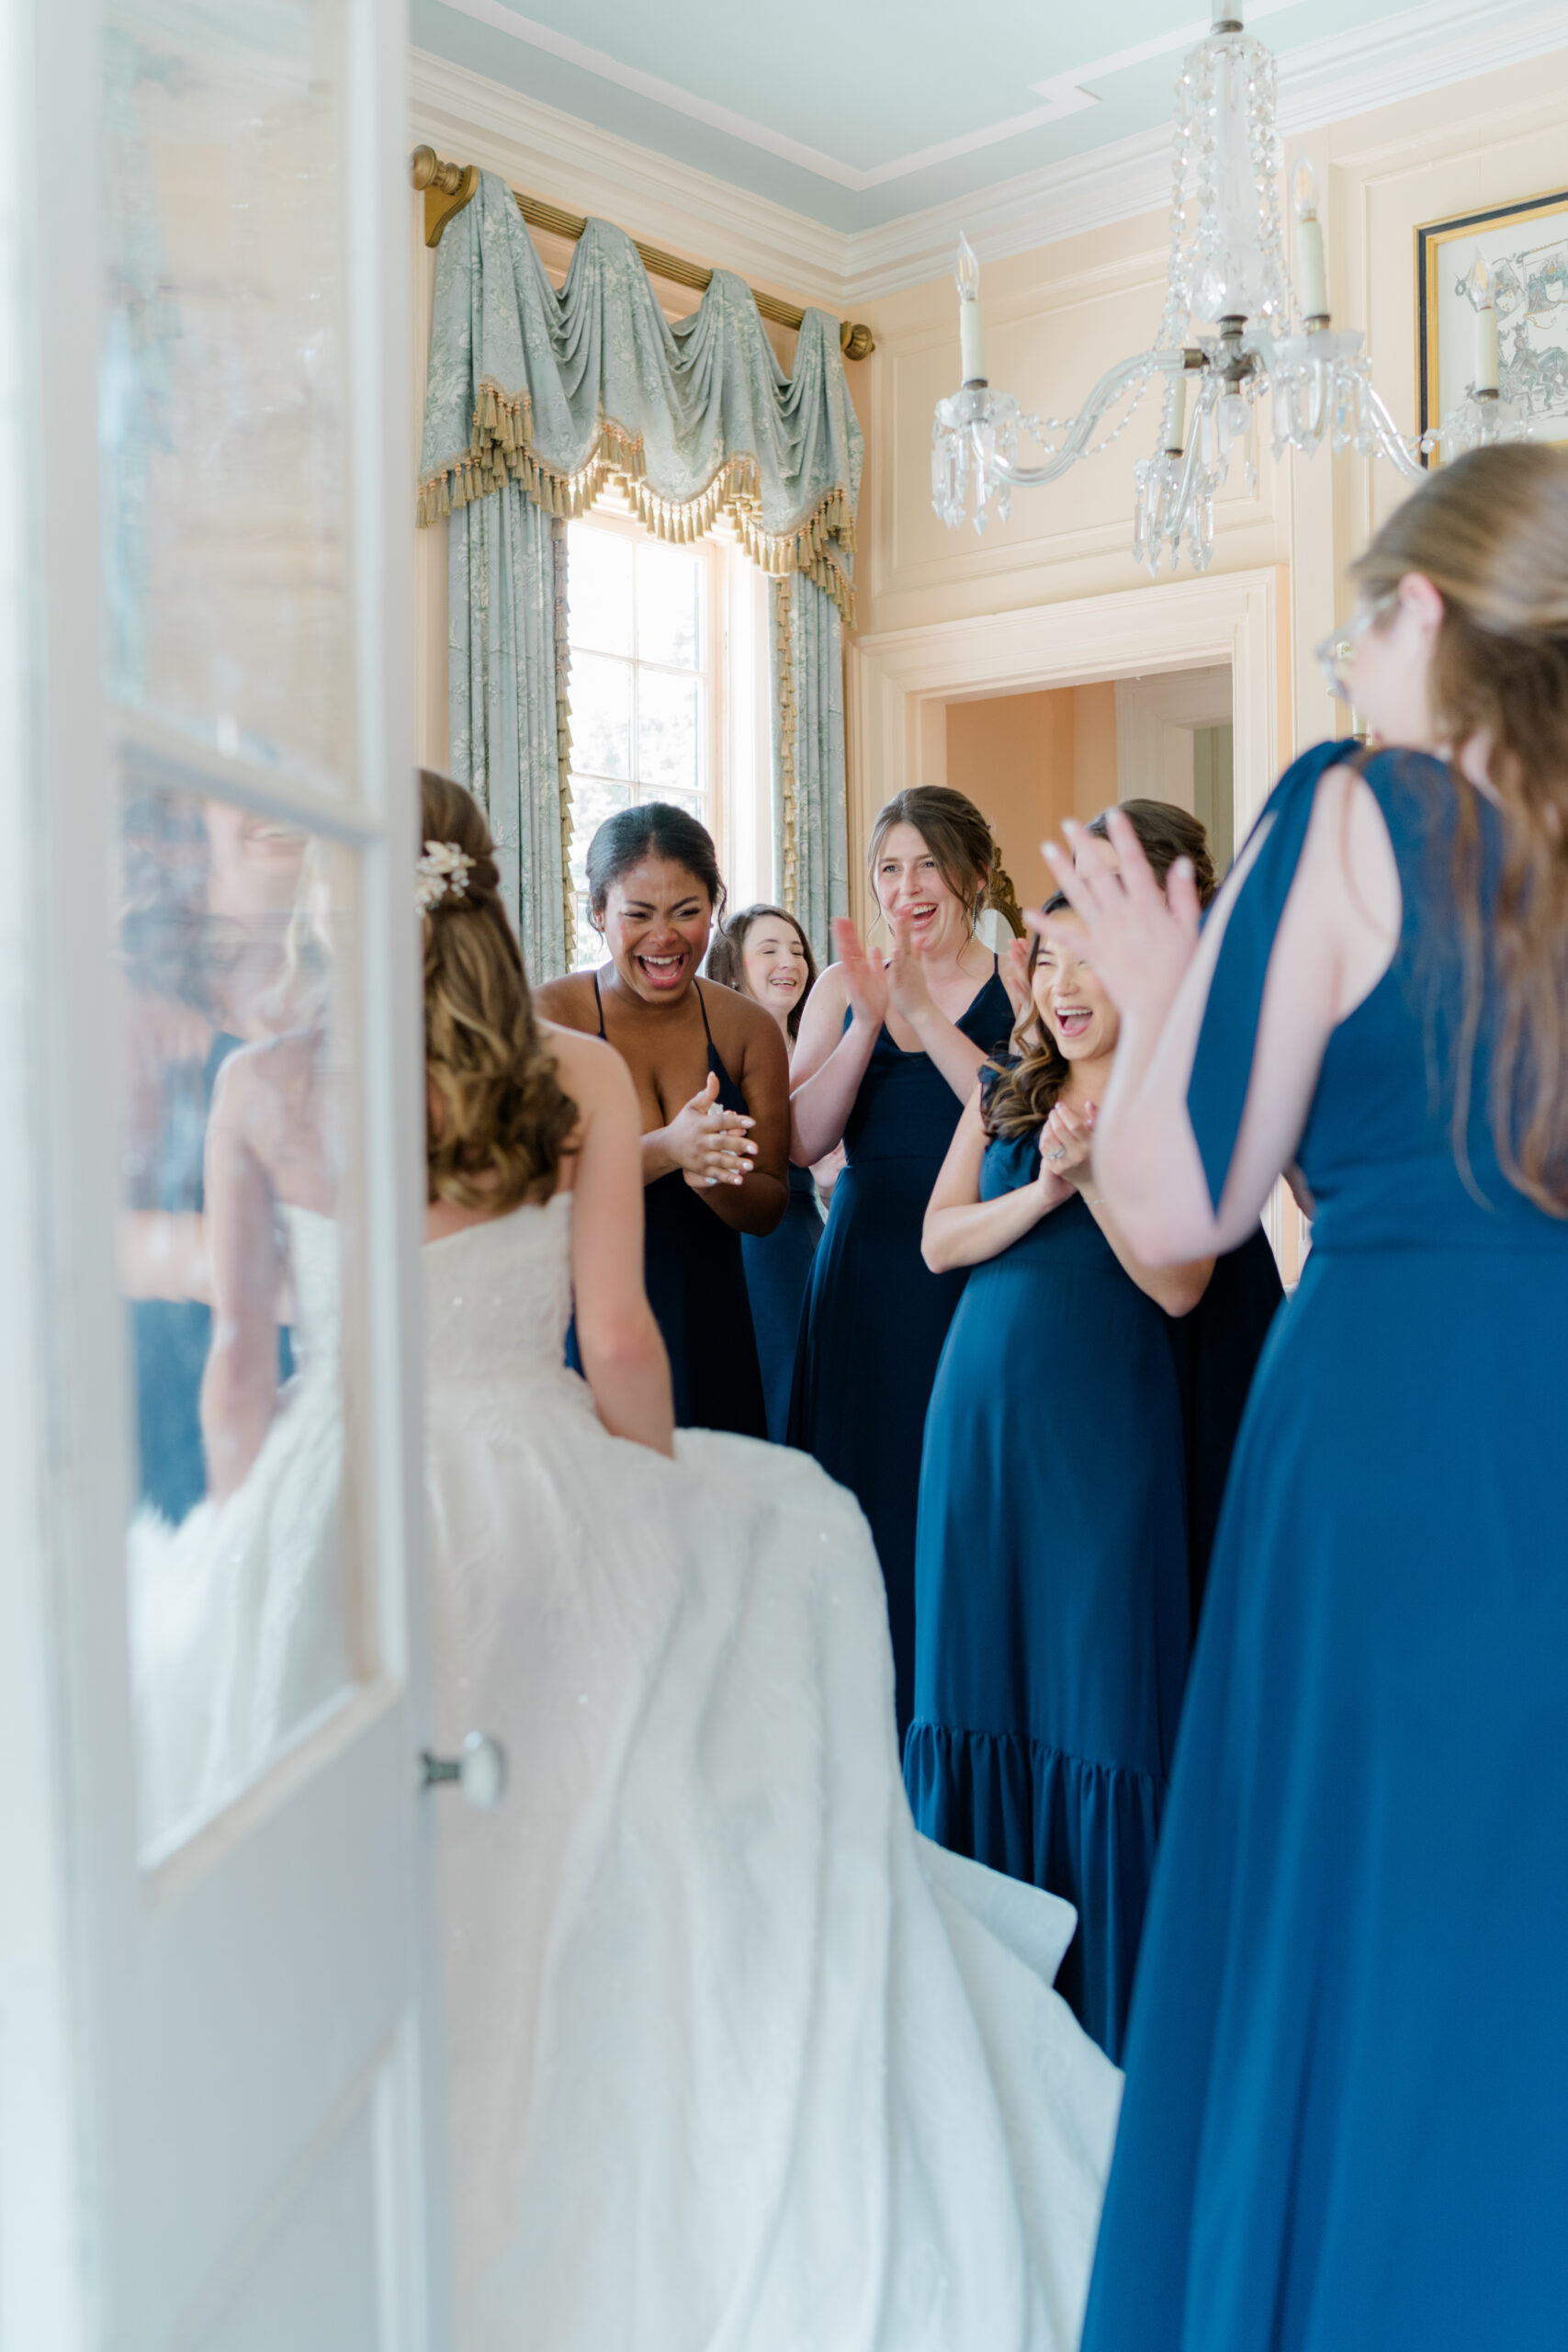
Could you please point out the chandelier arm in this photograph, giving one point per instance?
(1195, 429)
(1111, 387)
(1390, 439)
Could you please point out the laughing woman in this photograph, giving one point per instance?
(889, 1052)
(1051, 1574)
(763, 952)
(713, 1079)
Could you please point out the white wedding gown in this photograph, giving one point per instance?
(738, 2061)
(238, 1615)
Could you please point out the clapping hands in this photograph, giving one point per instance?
(864, 976)
(712, 1144)
(874, 986)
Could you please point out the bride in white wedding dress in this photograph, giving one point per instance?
(739, 2063)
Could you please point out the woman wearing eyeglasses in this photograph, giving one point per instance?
(1347, 2055)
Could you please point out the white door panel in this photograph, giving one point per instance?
(219, 1943)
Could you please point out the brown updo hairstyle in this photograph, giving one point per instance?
(1490, 532)
(499, 1123)
(727, 955)
(952, 830)
(1020, 1099)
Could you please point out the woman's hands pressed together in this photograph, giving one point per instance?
(711, 1145)
(1067, 1140)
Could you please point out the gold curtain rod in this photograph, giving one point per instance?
(447, 187)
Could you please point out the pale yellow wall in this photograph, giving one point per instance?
(1027, 761)
(1057, 316)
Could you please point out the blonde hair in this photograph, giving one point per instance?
(499, 1123)
(1490, 532)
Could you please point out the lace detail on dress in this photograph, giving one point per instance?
(498, 1299)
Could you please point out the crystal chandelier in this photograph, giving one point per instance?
(1232, 330)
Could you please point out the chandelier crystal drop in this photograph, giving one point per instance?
(1233, 331)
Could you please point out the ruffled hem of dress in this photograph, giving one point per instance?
(1083, 1830)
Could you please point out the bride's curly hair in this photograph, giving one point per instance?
(498, 1121)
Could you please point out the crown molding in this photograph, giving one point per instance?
(1427, 48)
(573, 164)
(653, 196)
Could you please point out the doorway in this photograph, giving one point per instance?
(1028, 761)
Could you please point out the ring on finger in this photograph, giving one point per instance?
(1057, 1152)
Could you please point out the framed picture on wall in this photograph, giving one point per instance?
(1525, 246)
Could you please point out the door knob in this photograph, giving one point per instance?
(480, 1772)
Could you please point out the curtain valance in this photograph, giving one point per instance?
(558, 391)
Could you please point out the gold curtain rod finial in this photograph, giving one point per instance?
(855, 342)
(445, 187)
(430, 171)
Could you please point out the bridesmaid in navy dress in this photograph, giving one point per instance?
(1218, 1345)
(713, 1079)
(764, 953)
(889, 1052)
(1051, 1579)
(1348, 2058)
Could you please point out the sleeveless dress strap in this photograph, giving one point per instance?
(1222, 1066)
(599, 1006)
(702, 1008)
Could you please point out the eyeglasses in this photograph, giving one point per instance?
(1338, 649)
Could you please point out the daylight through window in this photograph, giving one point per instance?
(639, 627)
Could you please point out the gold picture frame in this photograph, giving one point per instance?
(1526, 248)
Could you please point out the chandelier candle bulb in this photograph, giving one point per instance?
(1176, 435)
(1482, 295)
(971, 325)
(1311, 269)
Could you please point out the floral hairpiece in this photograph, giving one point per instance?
(440, 874)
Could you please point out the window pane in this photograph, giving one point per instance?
(226, 452)
(601, 694)
(234, 941)
(667, 733)
(592, 799)
(667, 606)
(599, 589)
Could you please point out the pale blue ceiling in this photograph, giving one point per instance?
(868, 85)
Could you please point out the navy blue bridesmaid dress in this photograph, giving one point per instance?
(1217, 1349)
(695, 1280)
(1346, 2119)
(875, 1314)
(1051, 1585)
(778, 1274)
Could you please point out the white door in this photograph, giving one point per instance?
(220, 2097)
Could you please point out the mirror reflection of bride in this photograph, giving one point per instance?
(238, 1612)
(737, 2058)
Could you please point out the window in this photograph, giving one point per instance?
(642, 631)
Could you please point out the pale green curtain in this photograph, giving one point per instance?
(506, 638)
(534, 399)
(810, 813)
